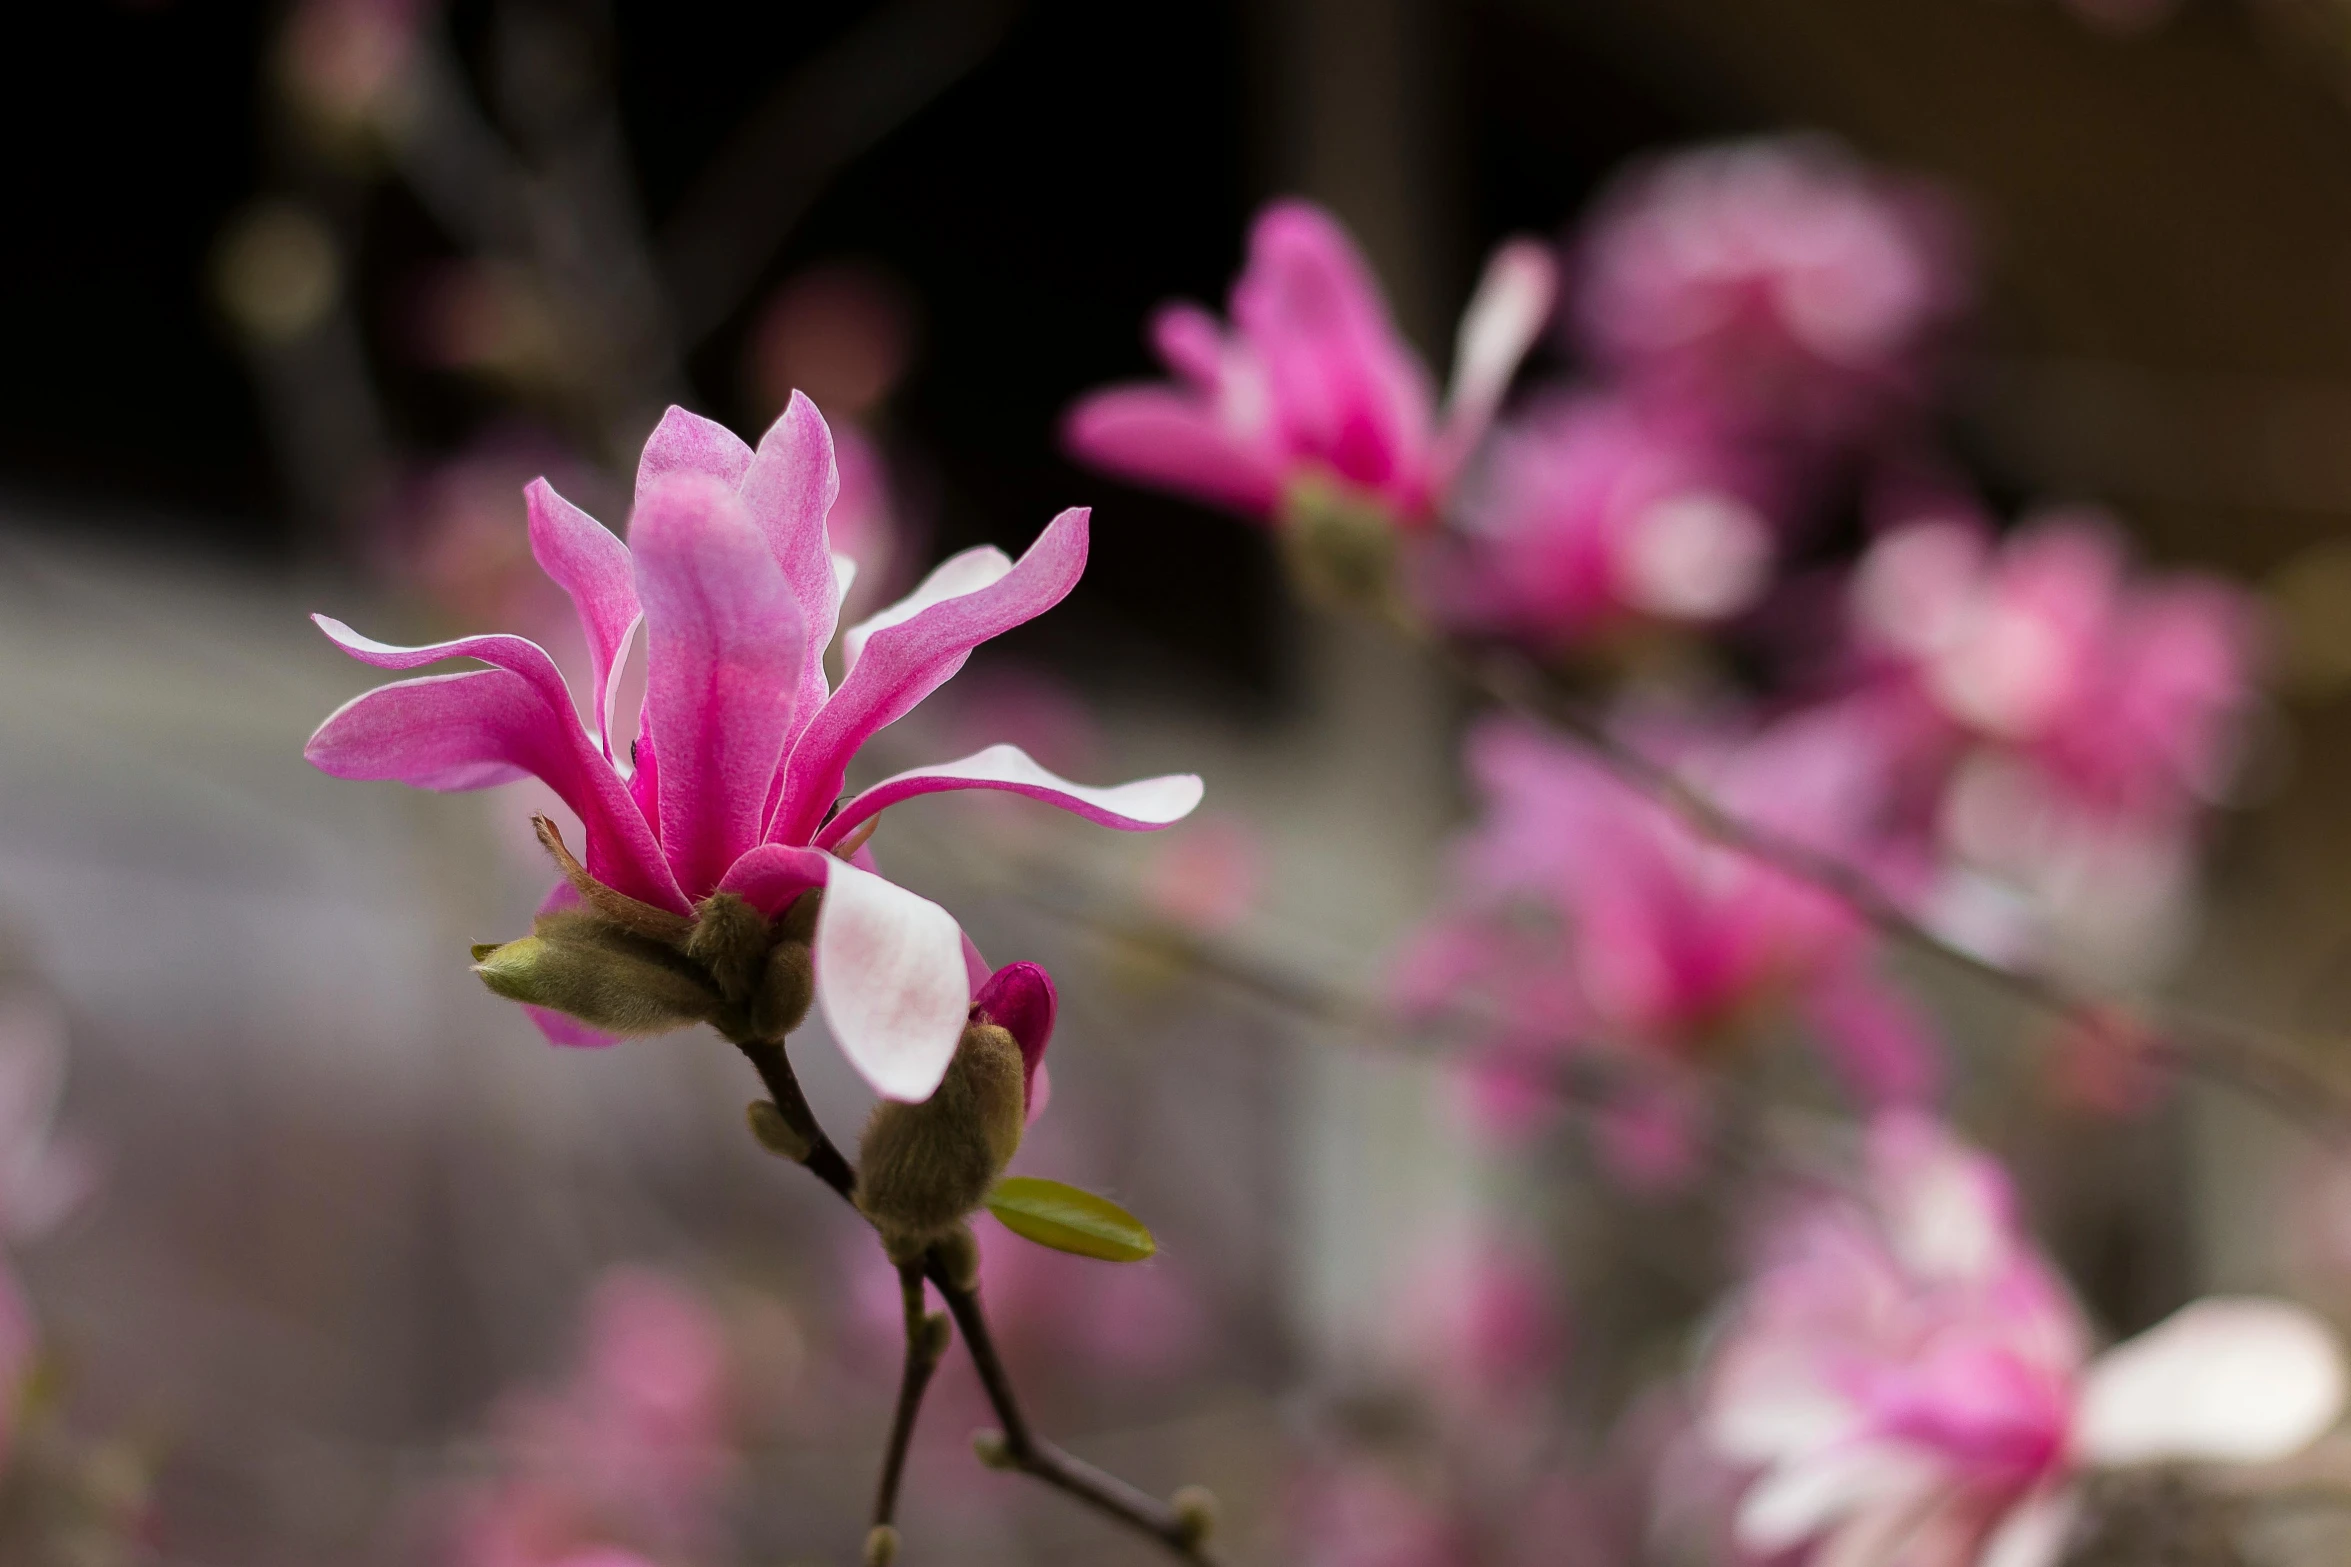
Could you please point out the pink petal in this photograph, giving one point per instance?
(1795, 1501)
(491, 726)
(890, 981)
(966, 571)
(900, 665)
(1169, 439)
(773, 874)
(685, 443)
(2225, 1380)
(789, 490)
(1019, 998)
(1885, 1050)
(2036, 1532)
(1141, 806)
(1505, 316)
(725, 646)
(589, 562)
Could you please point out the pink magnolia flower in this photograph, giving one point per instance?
(1589, 919)
(1911, 1384)
(734, 782)
(1778, 285)
(1594, 514)
(1312, 384)
(629, 1455)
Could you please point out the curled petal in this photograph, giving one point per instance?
(890, 981)
(724, 650)
(773, 874)
(1019, 998)
(2225, 1380)
(899, 665)
(1169, 439)
(1505, 315)
(1141, 806)
(967, 571)
(688, 443)
(589, 562)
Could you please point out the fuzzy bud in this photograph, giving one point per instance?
(990, 1448)
(925, 1167)
(937, 1333)
(959, 1258)
(1196, 1510)
(730, 940)
(775, 1134)
(607, 978)
(881, 1546)
(787, 984)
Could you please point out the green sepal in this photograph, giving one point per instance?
(1069, 1219)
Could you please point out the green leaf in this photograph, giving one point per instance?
(1068, 1219)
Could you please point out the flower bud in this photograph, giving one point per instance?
(990, 1448)
(730, 940)
(1196, 1510)
(924, 1168)
(775, 1134)
(937, 1333)
(881, 1546)
(580, 966)
(787, 984)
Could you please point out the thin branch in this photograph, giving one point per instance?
(924, 1345)
(1023, 1448)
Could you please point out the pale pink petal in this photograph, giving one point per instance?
(1019, 998)
(789, 491)
(890, 981)
(902, 664)
(967, 571)
(1191, 342)
(589, 562)
(724, 651)
(1795, 1501)
(1167, 438)
(2225, 1380)
(1505, 315)
(490, 726)
(976, 968)
(773, 874)
(685, 443)
(2036, 1532)
(1141, 806)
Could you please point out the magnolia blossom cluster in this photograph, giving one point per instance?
(1907, 1380)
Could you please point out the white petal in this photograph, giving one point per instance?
(1794, 1502)
(844, 573)
(1512, 302)
(953, 577)
(2034, 1534)
(890, 980)
(2240, 1380)
(1143, 804)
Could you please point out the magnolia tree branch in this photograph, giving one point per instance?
(1183, 1530)
(926, 1343)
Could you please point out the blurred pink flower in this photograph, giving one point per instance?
(630, 1455)
(1358, 1514)
(1481, 1327)
(1591, 515)
(1778, 286)
(1312, 384)
(1910, 1383)
(348, 60)
(1209, 877)
(1588, 920)
(743, 745)
(43, 1176)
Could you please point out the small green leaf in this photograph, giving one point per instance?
(1067, 1219)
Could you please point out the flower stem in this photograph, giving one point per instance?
(925, 1343)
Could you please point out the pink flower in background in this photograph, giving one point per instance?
(1593, 514)
(631, 1454)
(1480, 1326)
(1590, 920)
(734, 783)
(1208, 878)
(1909, 1382)
(1777, 286)
(1312, 385)
(1360, 1514)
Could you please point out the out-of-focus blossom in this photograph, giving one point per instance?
(2078, 719)
(1594, 516)
(1589, 921)
(43, 1176)
(1209, 877)
(867, 524)
(1777, 286)
(1480, 1328)
(628, 1460)
(736, 775)
(1311, 399)
(1910, 1383)
(346, 63)
(841, 332)
(1364, 1515)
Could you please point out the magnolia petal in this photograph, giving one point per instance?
(890, 981)
(901, 664)
(1795, 1501)
(1167, 438)
(590, 563)
(724, 647)
(2225, 1380)
(773, 874)
(789, 490)
(844, 575)
(685, 443)
(1141, 806)
(1505, 315)
(2036, 1532)
(967, 571)
(482, 727)
(1019, 998)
